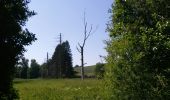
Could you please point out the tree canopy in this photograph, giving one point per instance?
(139, 50)
(60, 66)
(99, 70)
(34, 71)
(24, 68)
(13, 38)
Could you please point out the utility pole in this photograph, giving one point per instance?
(60, 73)
(60, 39)
(47, 66)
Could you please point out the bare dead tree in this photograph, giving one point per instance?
(80, 47)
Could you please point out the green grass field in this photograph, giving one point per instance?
(88, 70)
(60, 89)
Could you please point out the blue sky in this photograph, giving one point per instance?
(66, 17)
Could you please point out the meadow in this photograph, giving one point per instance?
(88, 71)
(60, 89)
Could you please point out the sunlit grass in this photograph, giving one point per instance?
(60, 89)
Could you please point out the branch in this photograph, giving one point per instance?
(90, 32)
(85, 23)
(95, 29)
(79, 45)
(85, 30)
(78, 49)
(87, 36)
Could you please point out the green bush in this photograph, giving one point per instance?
(138, 66)
(99, 70)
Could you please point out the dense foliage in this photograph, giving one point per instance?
(99, 70)
(60, 66)
(34, 71)
(24, 68)
(24, 71)
(13, 38)
(21, 69)
(139, 50)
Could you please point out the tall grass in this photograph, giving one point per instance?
(60, 89)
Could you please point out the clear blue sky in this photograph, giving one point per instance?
(66, 17)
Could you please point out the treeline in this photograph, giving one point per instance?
(23, 70)
(59, 66)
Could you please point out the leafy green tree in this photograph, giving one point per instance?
(18, 71)
(68, 71)
(44, 70)
(34, 69)
(24, 68)
(13, 38)
(60, 65)
(99, 70)
(139, 50)
(76, 66)
(55, 63)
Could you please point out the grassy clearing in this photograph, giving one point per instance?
(60, 89)
(88, 70)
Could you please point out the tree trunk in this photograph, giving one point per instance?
(82, 63)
